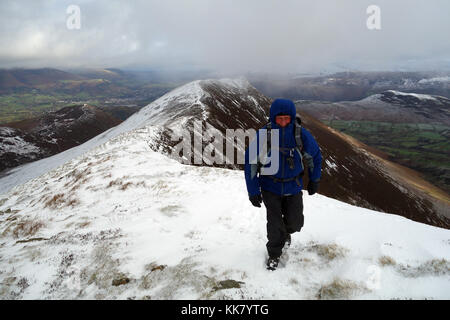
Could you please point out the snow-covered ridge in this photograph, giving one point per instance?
(378, 96)
(122, 221)
(415, 95)
(17, 145)
(154, 114)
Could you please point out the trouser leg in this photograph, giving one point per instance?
(276, 231)
(284, 215)
(292, 210)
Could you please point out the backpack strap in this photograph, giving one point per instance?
(299, 143)
(298, 133)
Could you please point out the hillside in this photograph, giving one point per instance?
(115, 218)
(411, 129)
(54, 132)
(357, 174)
(29, 78)
(350, 173)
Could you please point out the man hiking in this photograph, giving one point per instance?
(281, 190)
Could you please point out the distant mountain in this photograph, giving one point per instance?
(345, 86)
(37, 138)
(99, 73)
(30, 78)
(389, 106)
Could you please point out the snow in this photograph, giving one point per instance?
(152, 114)
(17, 145)
(372, 98)
(416, 95)
(435, 79)
(331, 165)
(123, 210)
(112, 208)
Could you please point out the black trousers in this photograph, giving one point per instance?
(284, 216)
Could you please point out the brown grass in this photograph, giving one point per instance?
(124, 185)
(77, 178)
(328, 251)
(60, 200)
(27, 228)
(386, 261)
(338, 289)
(434, 267)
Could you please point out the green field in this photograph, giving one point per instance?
(14, 107)
(31, 103)
(423, 147)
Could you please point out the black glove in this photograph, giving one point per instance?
(256, 200)
(313, 186)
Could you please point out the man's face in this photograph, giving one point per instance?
(282, 120)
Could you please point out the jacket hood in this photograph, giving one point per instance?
(283, 106)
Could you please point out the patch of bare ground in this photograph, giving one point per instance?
(178, 278)
(12, 287)
(123, 185)
(434, 267)
(386, 261)
(339, 289)
(327, 251)
(26, 228)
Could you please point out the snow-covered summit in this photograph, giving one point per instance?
(220, 102)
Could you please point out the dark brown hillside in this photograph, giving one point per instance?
(54, 132)
(353, 173)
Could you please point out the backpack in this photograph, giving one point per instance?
(298, 148)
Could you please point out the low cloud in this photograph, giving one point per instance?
(231, 36)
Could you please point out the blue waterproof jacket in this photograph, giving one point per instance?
(257, 182)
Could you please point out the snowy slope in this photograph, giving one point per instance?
(123, 214)
(173, 111)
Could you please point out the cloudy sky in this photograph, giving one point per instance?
(227, 36)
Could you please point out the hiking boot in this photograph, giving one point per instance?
(287, 242)
(272, 263)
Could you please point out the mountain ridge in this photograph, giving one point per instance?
(116, 218)
(238, 105)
